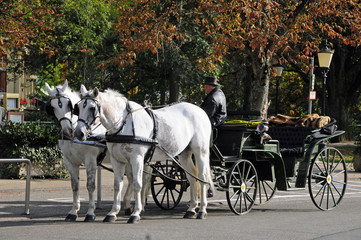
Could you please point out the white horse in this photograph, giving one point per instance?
(182, 130)
(61, 105)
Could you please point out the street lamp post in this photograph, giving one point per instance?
(278, 69)
(324, 61)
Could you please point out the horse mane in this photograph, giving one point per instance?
(113, 94)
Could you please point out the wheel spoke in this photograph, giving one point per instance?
(319, 168)
(246, 177)
(165, 192)
(314, 175)
(338, 163)
(323, 161)
(245, 201)
(323, 186)
(336, 189)
(157, 194)
(340, 182)
(341, 172)
(332, 195)
(323, 194)
(237, 199)
(235, 179)
(252, 178)
(248, 197)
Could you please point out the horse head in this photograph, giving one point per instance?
(60, 106)
(88, 111)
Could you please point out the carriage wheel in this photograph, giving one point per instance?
(242, 183)
(266, 190)
(327, 178)
(167, 193)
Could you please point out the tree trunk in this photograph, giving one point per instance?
(342, 85)
(258, 90)
(173, 87)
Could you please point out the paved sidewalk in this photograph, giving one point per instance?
(43, 184)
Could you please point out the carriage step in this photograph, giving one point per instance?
(221, 189)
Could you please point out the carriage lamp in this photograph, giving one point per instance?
(324, 61)
(278, 69)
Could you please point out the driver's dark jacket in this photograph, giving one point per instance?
(214, 104)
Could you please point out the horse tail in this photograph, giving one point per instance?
(209, 178)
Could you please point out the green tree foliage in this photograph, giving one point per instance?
(82, 42)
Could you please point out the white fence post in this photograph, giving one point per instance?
(28, 176)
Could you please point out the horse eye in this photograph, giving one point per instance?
(92, 109)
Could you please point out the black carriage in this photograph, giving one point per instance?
(250, 163)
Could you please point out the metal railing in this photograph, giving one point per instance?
(28, 175)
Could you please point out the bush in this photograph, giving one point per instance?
(36, 115)
(34, 141)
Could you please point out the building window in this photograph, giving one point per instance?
(12, 103)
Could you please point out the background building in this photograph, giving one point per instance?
(16, 87)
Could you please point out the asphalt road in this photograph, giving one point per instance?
(289, 215)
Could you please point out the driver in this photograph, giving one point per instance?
(214, 103)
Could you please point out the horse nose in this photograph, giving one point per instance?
(68, 132)
(79, 134)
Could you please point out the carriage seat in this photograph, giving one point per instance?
(291, 140)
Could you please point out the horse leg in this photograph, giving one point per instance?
(91, 173)
(74, 176)
(147, 176)
(119, 169)
(137, 169)
(128, 209)
(202, 160)
(185, 159)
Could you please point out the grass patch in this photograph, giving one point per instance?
(347, 152)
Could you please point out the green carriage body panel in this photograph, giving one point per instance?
(234, 142)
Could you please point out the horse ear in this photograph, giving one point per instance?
(47, 87)
(83, 90)
(65, 85)
(96, 92)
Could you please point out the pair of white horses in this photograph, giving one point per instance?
(183, 130)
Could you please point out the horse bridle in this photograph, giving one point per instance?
(86, 122)
(50, 109)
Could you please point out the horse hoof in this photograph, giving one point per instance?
(71, 218)
(89, 218)
(128, 211)
(202, 215)
(189, 214)
(110, 218)
(134, 219)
